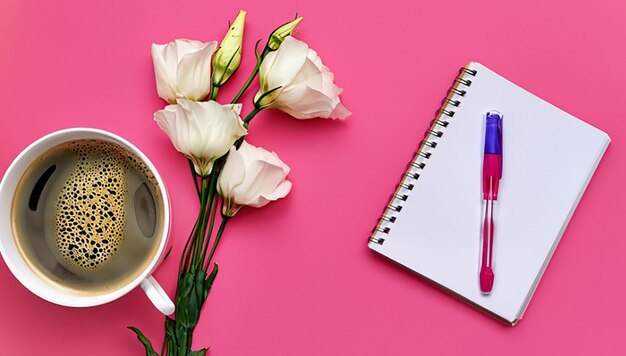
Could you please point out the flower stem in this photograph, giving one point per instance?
(190, 246)
(212, 216)
(194, 175)
(246, 84)
(182, 266)
(246, 122)
(202, 233)
(220, 231)
(255, 71)
(214, 92)
(251, 115)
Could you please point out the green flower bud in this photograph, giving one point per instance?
(278, 36)
(228, 57)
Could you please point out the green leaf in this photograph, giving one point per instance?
(144, 341)
(199, 352)
(259, 57)
(170, 334)
(192, 310)
(199, 287)
(169, 326)
(167, 254)
(210, 280)
(185, 306)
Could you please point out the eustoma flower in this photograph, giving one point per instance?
(183, 69)
(294, 80)
(253, 177)
(201, 131)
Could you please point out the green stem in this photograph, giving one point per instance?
(182, 266)
(165, 340)
(210, 232)
(194, 175)
(220, 231)
(201, 236)
(247, 83)
(246, 123)
(214, 93)
(187, 348)
(255, 71)
(192, 242)
(184, 262)
(251, 115)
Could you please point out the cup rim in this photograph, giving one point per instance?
(73, 300)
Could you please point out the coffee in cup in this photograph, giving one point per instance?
(84, 219)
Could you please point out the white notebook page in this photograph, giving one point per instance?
(549, 157)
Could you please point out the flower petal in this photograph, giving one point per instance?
(165, 63)
(309, 103)
(253, 176)
(193, 77)
(173, 122)
(264, 71)
(233, 173)
(280, 192)
(289, 59)
(185, 46)
(237, 108)
(340, 112)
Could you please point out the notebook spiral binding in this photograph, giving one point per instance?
(424, 151)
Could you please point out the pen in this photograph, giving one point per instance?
(492, 173)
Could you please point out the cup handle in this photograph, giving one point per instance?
(157, 295)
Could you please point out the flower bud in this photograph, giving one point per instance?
(228, 57)
(278, 36)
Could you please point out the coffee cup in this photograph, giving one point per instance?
(56, 291)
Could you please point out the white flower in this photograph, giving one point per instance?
(183, 69)
(252, 176)
(294, 80)
(201, 131)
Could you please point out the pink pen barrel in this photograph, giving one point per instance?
(491, 176)
(492, 172)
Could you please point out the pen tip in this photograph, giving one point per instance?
(486, 279)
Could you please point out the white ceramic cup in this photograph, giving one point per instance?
(13, 258)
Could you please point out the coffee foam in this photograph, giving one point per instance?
(90, 213)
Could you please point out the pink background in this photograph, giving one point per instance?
(296, 277)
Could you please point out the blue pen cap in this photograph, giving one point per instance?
(493, 133)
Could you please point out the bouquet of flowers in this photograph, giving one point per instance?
(228, 172)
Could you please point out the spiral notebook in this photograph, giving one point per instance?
(432, 223)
